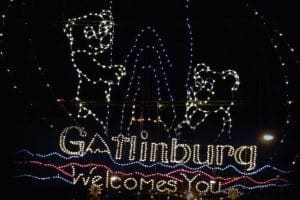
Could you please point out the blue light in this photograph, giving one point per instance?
(268, 137)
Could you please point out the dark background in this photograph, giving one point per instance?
(225, 35)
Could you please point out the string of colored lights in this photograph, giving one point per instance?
(228, 167)
(49, 165)
(278, 39)
(274, 47)
(216, 192)
(60, 169)
(253, 187)
(228, 180)
(256, 13)
(264, 184)
(168, 175)
(254, 181)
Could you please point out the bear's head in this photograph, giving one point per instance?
(206, 79)
(91, 33)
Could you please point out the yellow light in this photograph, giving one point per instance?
(59, 100)
(189, 196)
(113, 178)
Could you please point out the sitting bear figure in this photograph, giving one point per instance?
(91, 38)
(200, 105)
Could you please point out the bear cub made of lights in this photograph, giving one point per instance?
(200, 105)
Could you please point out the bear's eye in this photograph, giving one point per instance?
(89, 32)
(105, 27)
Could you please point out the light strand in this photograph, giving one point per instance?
(228, 167)
(228, 180)
(47, 178)
(135, 78)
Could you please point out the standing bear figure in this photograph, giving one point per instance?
(91, 37)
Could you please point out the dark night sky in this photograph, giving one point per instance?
(226, 37)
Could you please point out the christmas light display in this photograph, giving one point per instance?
(100, 174)
(168, 166)
(184, 166)
(95, 191)
(204, 86)
(103, 34)
(244, 155)
(180, 176)
(138, 117)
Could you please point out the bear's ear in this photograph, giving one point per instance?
(201, 67)
(68, 27)
(106, 15)
(203, 71)
(233, 75)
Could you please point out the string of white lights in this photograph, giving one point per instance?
(103, 34)
(204, 84)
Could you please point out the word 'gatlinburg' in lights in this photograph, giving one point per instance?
(130, 149)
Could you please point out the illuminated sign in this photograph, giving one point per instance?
(130, 158)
